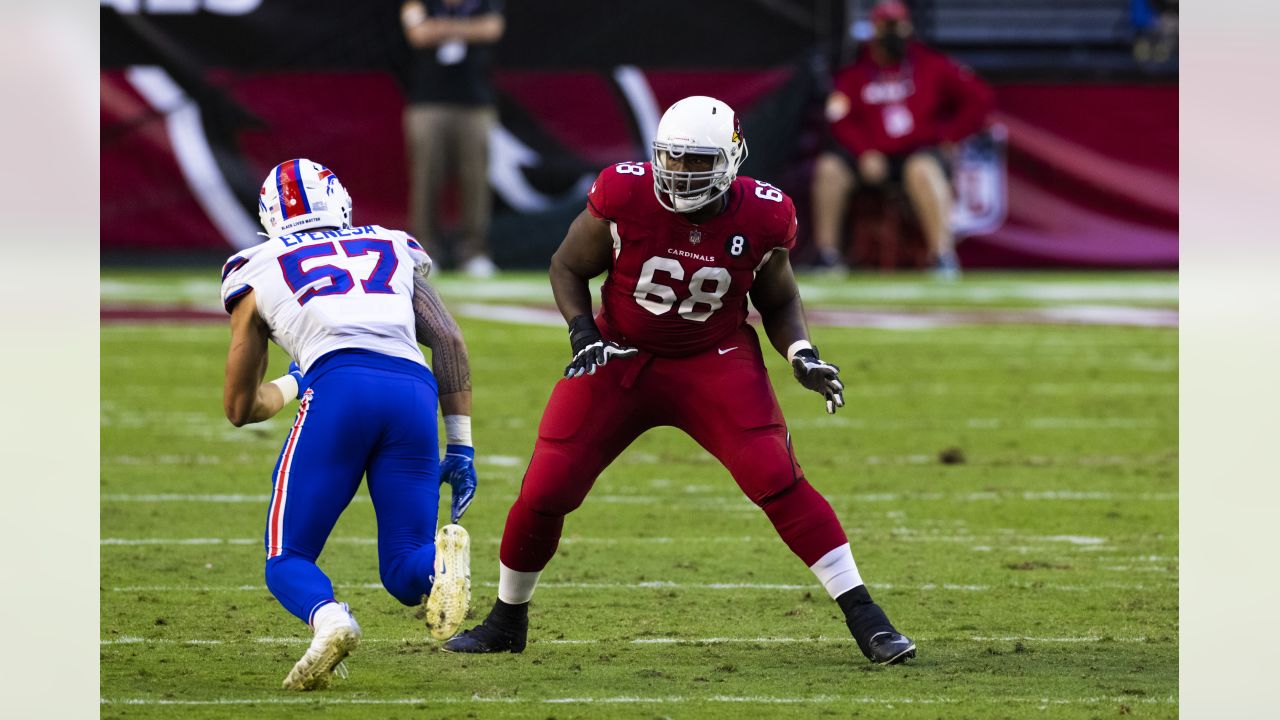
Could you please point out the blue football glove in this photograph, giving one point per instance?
(458, 468)
(296, 372)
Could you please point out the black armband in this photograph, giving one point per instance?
(582, 332)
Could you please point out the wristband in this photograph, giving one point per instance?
(796, 347)
(457, 429)
(465, 451)
(288, 385)
(582, 332)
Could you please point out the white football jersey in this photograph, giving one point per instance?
(331, 289)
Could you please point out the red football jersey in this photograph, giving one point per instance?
(676, 288)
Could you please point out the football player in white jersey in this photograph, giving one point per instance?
(350, 304)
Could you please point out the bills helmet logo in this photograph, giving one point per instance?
(327, 175)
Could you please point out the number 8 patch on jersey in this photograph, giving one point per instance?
(676, 287)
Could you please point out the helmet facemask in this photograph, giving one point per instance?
(686, 190)
(697, 150)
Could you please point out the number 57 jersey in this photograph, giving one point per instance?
(676, 288)
(333, 289)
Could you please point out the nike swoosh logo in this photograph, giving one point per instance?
(727, 350)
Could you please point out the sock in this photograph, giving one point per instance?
(837, 571)
(863, 617)
(331, 611)
(515, 587)
(507, 615)
(298, 584)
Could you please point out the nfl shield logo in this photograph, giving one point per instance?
(695, 236)
(980, 181)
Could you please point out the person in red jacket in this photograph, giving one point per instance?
(894, 116)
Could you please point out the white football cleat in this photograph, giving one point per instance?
(451, 590)
(337, 634)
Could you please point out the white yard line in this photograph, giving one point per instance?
(683, 499)
(1100, 347)
(887, 318)
(186, 541)
(246, 459)
(975, 289)
(212, 427)
(629, 699)
(984, 423)
(989, 291)
(1076, 539)
(669, 585)
(904, 534)
(421, 640)
(492, 541)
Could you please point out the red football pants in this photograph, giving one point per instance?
(723, 400)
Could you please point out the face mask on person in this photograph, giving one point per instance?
(894, 46)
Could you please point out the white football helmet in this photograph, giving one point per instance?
(299, 195)
(697, 125)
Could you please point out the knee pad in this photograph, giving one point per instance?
(765, 468)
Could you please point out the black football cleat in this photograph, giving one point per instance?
(490, 637)
(871, 629)
(890, 648)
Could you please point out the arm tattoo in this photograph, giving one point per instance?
(437, 330)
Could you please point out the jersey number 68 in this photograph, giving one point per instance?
(647, 289)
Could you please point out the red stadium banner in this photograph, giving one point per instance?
(1093, 178)
(199, 100)
(1092, 170)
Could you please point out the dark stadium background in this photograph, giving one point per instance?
(1091, 132)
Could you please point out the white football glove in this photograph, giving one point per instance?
(820, 377)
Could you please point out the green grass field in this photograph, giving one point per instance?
(1039, 576)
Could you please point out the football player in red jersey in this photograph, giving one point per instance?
(684, 241)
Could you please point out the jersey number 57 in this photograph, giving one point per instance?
(341, 282)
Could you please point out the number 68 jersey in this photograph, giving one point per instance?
(333, 289)
(676, 288)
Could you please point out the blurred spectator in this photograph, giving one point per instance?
(1155, 23)
(447, 122)
(895, 115)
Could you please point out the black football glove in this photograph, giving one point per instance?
(590, 350)
(820, 377)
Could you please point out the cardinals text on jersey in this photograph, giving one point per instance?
(676, 288)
